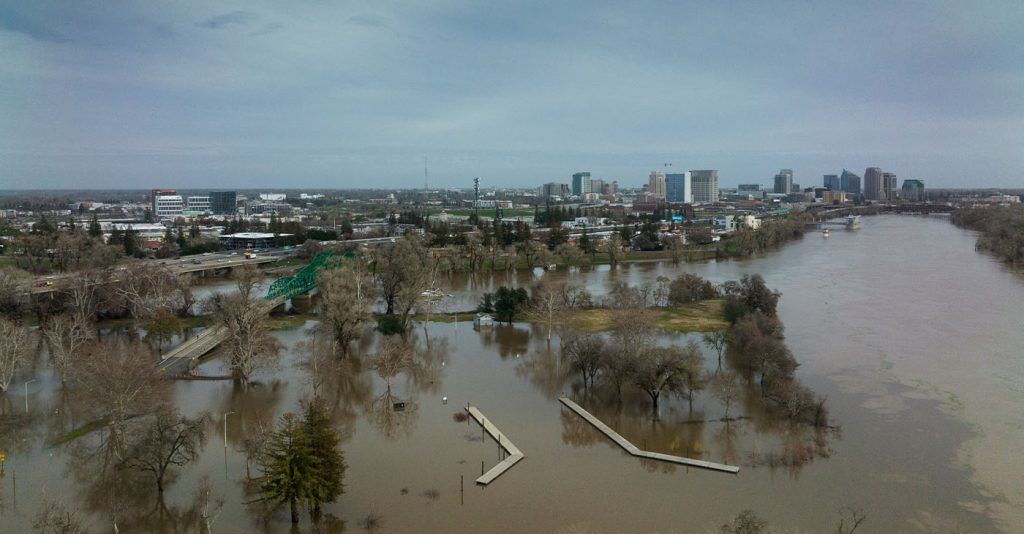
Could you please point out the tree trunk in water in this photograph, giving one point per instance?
(295, 511)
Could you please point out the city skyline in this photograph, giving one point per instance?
(255, 95)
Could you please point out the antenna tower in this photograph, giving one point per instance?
(476, 194)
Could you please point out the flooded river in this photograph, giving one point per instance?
(915, 339)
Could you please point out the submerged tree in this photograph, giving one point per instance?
(585, 354)
(718, 340)
(15, 341)
(347, 295)
(747, 522)
(56, 518)
(166, 439)
(67, 336)
(301, 463)
(547, 302)
(250, 345)
(118, 380)
(656, 370)
(290, 472)
(726, 388)
(403, 272)
(323, 441)
(691, 371)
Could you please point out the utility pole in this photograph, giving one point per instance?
(26, 393)
(226, 429)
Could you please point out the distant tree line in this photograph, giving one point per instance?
(1001, 230)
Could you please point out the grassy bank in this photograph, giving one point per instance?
(702, 316)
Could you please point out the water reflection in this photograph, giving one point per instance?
(391, 415)
(252, 408)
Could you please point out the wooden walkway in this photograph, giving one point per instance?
(635, 451)
(514, 454)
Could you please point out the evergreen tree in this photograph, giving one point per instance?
(71, 225)
(116, 236)
(95, 230)
(290, 471)
(182, 242)
(346, 227)
(323, 445)
(584, 242)
(168, 235)
(43, 226)
(193, 231)
(131, 242)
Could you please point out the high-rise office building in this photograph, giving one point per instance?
(553, 189)
(873, 184)
(612, 188)
(849, 182)
(223, 202)
(832, 182)
(581, 183)
(784, 182)
(913, 190)
(678, 187)
(656, 184)
(597, 186)
(705, 185)
(889, 186)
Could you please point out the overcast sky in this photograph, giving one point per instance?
(348, 94)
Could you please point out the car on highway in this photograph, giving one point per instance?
(197, 261)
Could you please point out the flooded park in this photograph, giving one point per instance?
(912, 336)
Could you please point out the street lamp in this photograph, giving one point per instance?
(226, 429)
(27, 382)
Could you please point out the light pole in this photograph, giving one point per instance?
(27, 382)
(226, 429)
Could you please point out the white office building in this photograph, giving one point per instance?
(168, 206)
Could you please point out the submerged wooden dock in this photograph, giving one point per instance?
(514, 454)
(635, 451)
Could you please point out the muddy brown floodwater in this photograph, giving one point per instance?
(914, 337)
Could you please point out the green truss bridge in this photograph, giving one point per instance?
(304, 279)
(179, 360)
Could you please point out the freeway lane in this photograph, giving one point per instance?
(213, 260)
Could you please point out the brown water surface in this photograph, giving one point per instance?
(913, 336)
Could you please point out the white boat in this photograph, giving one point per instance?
(853, 221)
(824, 233)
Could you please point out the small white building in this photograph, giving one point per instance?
(483, 319)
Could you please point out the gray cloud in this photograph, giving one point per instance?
(268, 28)
(518, 93)
(368, 20)
(241, 18)
(11, 20)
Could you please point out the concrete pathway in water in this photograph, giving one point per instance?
(635, 451)
(514, 454)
